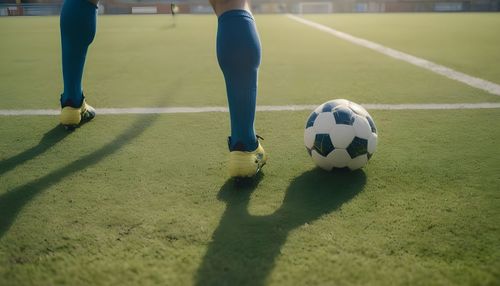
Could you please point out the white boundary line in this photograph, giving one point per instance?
(264, 108)
(479, 83)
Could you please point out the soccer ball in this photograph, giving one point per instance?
(340, 134)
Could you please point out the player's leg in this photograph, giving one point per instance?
(239, 54)
(78, 27)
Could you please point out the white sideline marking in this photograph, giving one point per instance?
(265, 108)
(479, 83)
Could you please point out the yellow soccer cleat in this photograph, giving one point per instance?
(244, 164)
(71, 117)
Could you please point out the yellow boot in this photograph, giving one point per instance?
(247, 163)
(71, 117)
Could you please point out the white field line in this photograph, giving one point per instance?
(479, 83)
(263, 108)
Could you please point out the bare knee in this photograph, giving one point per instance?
(221, 6)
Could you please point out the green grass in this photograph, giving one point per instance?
(145, 199)
(142, 205)
(139, 61)
(466, 42)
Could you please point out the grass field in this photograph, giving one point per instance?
(145, 199)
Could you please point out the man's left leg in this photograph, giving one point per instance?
(78, 27)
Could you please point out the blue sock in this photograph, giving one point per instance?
(238, 52)
(78, 26)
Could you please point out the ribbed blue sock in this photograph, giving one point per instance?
(239, 53)
(78, 27)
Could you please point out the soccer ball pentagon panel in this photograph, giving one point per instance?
(340, 134)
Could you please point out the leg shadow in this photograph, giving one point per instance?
(245, 247)
(49, 139)
(12, 202)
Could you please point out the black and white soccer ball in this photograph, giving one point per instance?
(340, 134)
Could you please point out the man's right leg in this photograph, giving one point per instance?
(78, 27)
(238, 54)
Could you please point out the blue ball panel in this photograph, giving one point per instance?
(329, 106)
(357, 147)
(312, 118)
(372, 124)
(323, 144)
(344, 115)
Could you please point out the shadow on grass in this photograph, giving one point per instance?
(245, 247)
(48, 140)
(12, 202)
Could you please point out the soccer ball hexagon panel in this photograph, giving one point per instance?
(340, 134)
